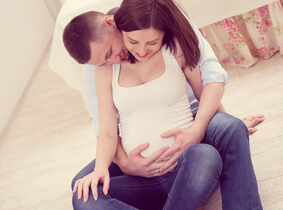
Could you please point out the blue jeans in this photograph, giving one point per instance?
(193, 179)
(190, 184)
(238, 184)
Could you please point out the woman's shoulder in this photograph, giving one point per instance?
(103, 68)
(178, 54)
(104, 72)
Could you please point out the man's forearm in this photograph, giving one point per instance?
(210, 102)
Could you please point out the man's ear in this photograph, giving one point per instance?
(109, 21)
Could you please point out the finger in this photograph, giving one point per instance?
(170, 169)
(260, 115)
(152, 158)
(106, 185)
(260, 119)
(86, 190)
(156, 173)
(170, 133)
(94, 188)
(80, 189)
(155, 166)
(257, 120)
(171, 151)
(139, 149)
(168, 165)
(151, 169)
(253, 121)
(160, 173)
(252, 130)
(75, 186)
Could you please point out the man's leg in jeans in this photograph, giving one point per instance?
(196, 177)
(238, 182)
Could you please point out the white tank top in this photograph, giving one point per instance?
(148, 110)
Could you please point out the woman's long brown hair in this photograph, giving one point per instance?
(163, 15)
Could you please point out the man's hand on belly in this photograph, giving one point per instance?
(137, 165)
(184, 138)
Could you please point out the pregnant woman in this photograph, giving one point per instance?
(148, 93)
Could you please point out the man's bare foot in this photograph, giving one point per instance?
(252, 121)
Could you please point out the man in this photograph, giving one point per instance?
(95, 40)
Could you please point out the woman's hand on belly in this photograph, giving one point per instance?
(137, 165)
(184, 138)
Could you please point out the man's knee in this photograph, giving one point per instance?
(203, 165)
(222, 124)
(204, 153)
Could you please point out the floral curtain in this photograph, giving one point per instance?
(242, 40)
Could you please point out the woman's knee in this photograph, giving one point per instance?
(85, 171)
(91, 204)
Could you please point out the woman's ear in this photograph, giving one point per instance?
(109, 21)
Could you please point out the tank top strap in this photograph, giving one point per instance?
(170, 61)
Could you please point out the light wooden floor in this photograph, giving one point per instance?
(50, 138)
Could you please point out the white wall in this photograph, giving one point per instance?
(26, 27)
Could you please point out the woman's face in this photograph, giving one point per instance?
(143, 44)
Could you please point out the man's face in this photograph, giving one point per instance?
(109, 51)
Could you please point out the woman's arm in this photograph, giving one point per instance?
(107, 140)
(108, 137)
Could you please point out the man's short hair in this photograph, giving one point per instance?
(82, 30)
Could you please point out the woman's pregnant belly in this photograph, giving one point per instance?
(144, 128)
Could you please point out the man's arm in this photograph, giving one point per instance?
(212, 71)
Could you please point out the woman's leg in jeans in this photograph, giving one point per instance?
(196, 178)
(78, 204)
(238, 182)
(125, 192)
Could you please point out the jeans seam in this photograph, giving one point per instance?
(169, 200)
(173, 187)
